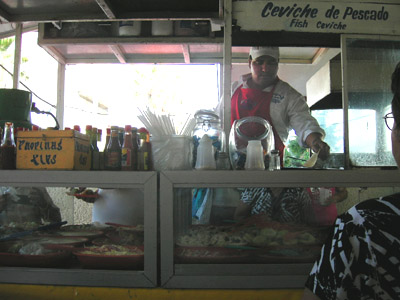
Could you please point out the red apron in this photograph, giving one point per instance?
(254, 102)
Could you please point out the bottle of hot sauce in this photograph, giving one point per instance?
(8, 150)
(113, 154)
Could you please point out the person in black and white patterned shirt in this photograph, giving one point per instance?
(361, 259)
(286, 205)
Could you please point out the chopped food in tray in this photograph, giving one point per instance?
(270, 234)
(90, 234)
(112, 250)
(32, 254)
(111, 257)
(124, 236)
(211, 255)
(57, 240)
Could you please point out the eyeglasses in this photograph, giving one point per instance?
(269, 61)
(389, 120)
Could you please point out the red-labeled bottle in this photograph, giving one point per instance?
(113, 154)
(8, 150)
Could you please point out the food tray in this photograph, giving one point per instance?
(97, 259)
(284, 254)
(53, 259)
(207, 255)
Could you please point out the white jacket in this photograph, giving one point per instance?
(289, 110)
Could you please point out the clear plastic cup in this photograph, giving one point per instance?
(255, 156)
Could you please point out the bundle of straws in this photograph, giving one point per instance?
(159, 125)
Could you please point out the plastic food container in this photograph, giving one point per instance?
(130, 28)
(162, 28)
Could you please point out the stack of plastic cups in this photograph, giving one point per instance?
(254, 156)
(205, 154)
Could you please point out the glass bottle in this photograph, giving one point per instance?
(8, 150)
(135, 149)
(108, 135)
(121, 133)
(95, 150)
(113, 153)
(88, 132)
(274, 161)
(104, 153)
(127, 149)
(223, 162)
(145, 153)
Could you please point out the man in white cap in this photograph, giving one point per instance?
(261, 93)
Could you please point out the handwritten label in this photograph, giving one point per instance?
(53, 151)
(317, 17)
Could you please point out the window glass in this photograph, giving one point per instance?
(102, 95)
(38, 75)
(259, 224)
(369, 65)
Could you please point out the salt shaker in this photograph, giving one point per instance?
(274, 161)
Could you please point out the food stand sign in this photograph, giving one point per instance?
(313, 16)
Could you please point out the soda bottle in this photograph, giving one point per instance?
(8, 150)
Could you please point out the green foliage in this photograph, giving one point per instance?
(295, 155)
(5, 44)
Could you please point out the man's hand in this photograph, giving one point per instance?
(315, 142)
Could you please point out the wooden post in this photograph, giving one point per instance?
(17, 55)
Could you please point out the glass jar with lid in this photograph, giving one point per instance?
(209, 123)
(245, 130)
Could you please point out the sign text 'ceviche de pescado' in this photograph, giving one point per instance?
(317, 16)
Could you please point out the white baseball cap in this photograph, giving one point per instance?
(256, 52)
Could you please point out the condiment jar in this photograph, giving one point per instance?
(209, 123)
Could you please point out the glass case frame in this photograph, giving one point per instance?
(88, 277)
(242, 276)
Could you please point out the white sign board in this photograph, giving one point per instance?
(317, 16)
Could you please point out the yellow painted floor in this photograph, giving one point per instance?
(45, 292)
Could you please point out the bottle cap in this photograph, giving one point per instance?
(128, 128)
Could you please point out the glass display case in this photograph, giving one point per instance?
(254, 229)
(49, 237)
